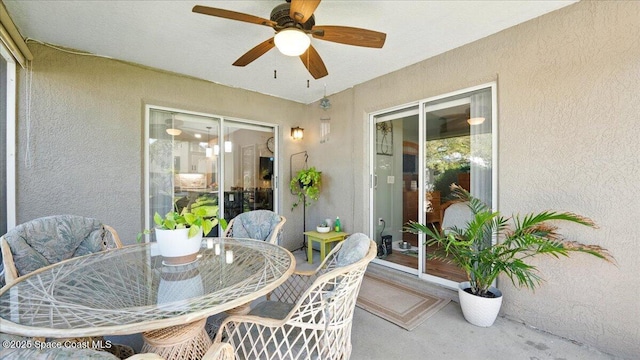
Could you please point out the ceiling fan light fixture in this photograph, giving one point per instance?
(475, 120)
(292, 41)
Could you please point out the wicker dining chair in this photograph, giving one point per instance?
(49, 240)
(257, 224)
(312, 314)
(15, 347)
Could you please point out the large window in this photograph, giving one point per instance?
(198, 159)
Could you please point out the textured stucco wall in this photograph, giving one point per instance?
(568, 140)
(81, 150)
(568, 114)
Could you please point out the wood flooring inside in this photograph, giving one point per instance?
(437, 268)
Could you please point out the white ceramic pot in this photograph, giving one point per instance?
(477, 310)
(176, 247)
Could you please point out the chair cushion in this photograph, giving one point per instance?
(272, 309)
(353, 249)
(257, 224)
(49, 240)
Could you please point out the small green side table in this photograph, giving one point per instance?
(325, 240)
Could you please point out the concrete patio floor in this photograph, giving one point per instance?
(447, 335)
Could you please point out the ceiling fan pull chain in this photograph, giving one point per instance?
(275, 76)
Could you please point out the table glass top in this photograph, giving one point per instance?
(132, 286)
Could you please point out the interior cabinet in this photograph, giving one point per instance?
(410, 213)
(435, 215)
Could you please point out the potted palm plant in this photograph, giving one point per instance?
(518, 238)
(306, 186)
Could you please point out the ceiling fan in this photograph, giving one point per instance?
(295, 20)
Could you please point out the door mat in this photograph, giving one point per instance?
(397, 303)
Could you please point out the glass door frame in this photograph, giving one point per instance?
(423, 107)
(9, 182)
(221, 159)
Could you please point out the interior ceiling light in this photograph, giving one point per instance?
(228, 146)
(174, 132)
(292, 41)
(208, 152)
(170, 127)
(475, 120)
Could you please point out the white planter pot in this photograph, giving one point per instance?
(479, 311)
(176, 247)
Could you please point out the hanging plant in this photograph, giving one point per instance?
(306, 186)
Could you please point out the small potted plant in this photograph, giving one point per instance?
(179, 234)
(518, 238)
(306, 186)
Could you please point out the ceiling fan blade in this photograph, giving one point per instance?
(232, 15)
(255, 53)
(312, 61)
(301, 10)
(350, 35)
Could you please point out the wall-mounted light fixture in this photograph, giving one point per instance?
(297, 133)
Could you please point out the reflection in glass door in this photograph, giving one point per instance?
(458, 149)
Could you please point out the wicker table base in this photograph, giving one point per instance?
(240, 310)
(188, 341)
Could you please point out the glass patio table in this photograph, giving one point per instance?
(129, 290)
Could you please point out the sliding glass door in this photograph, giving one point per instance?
(203, 160)
(395, 188)
(443, 140)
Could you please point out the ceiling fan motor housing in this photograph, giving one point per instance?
(280, 15)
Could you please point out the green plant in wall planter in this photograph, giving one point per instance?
(306, 186)
(518, 238)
